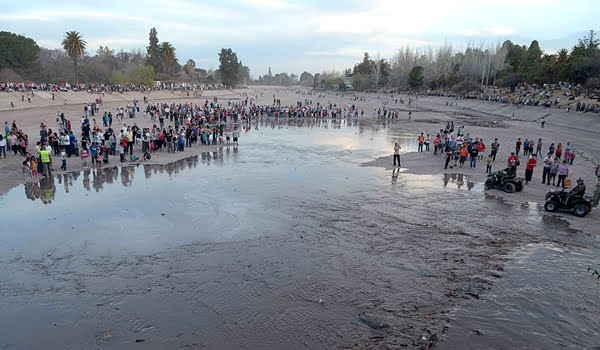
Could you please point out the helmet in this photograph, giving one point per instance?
(580, 180)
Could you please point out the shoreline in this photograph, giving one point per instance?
(75, 164)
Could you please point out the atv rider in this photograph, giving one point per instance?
(577, 192)
(509, 173)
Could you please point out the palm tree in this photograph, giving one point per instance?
(74, 45)
(167, 56)
(190, 68)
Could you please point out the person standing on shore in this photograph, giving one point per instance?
(559, 150)
(543, 122)
(538, 151)
(518, 146)
(421, 140)
(531, 163)
(474, 153)
(547, 163)
(563, 172)
(2, 147)
(63, 158)
(513, 158)
(552, 172)
(45, 158)
(448, 157)
(495, 146)
(397, 154)
(488, 168)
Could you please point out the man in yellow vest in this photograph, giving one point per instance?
(45, 158)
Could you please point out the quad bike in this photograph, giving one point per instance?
(509, 185)
(563, 201)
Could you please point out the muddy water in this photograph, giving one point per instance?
(548, 299)
(282, 242)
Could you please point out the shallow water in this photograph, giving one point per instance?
(282, 242)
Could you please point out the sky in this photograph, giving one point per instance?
(294, 36)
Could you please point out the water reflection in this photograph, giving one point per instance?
(45, 189)
(458, 180)
(300, 143)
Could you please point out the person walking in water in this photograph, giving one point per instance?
(397, 153)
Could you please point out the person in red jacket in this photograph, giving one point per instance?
(531, 163)
(513, 158)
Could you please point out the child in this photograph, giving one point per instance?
(481, 147)
(122, 153)
(27, 171)
(488, 168)
(572, 157)
(33, 165)
(63, 157)
(84, 156)
(147, 155)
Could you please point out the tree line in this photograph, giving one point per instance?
(505, 65)
(21, 59)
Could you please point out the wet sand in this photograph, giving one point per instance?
(302, 237)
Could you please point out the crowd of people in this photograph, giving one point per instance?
(561, 95)
(98, 141)
(96, 136)
(457, 147)
(99, 88)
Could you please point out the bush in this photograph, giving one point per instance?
(467, 86)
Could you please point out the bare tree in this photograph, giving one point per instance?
(376, 70)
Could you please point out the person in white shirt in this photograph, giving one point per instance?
(2, 146)
(547, 163)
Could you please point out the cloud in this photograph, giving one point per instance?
(268, 4)
(57, 15)
(491, 31)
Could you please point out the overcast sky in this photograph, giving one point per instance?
(294, 36)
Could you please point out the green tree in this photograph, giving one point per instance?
(190, 69)
(17, 52)
(153, 51)
(118, 77)
(244, 73)
(202, 74)
(142, 75)
(306, 79)
(167, 57)
(415, 77)
(365, 66)
(229, 67)
(511, 81)
(74, 46)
